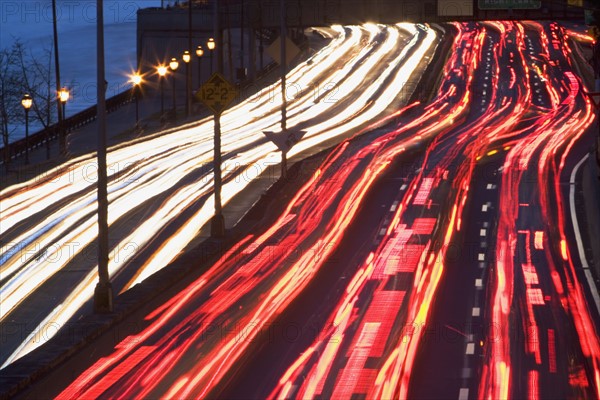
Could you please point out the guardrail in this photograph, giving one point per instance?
(43, 137)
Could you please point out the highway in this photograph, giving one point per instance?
(160, 190)
(440, 247)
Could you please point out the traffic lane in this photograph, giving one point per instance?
(451, 350)
(292, 332)
(558, 364)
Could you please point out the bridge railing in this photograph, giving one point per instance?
(45, 136)
(52, 132)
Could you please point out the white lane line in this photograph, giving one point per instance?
(463, 394)
(403, 187)
(584, 264)
(484, 208)
(394, 206)
(482, 232)
(383, 230)
(490, 186)
(470, 348)
(476, 312)
(481, 257)
(478, 283)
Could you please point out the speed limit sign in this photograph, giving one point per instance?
(217, 93)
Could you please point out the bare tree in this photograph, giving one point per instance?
(21, 73)
(10, 102)
(36, 78)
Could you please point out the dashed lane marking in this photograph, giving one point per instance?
(470, 349)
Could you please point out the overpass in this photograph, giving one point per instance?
(305, 13)
(162, 32)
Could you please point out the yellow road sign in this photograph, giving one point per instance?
(217, 93)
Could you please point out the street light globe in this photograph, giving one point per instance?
(63, 95)
(186, 56)
(162, 70)
(136, 79)
(173, 64)
(211, 44)
(199, 51)
(27, 101)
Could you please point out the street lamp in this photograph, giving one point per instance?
(26, 102)
(174, 64)
(199, 53)
(211, 46)
(187, 57)
(136, 80)
(63, 96)
(162, 71)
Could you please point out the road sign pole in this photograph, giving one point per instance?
(217, 227)
(284, 164)
(283, 83)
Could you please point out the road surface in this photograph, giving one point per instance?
(462, 269)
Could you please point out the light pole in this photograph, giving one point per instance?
(199, 54)
(26, 102)
(188, 82)
(217, 226)
(61, 136)
(136, 80)
(174, 64)
(103, 294)
(211, 46)
(162, 71)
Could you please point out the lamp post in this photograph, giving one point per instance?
(26, 102)
(162, 71)
(199, 54)
(136, 80)
(174, 64)
(187, 57)
(103, 294)
(61, 137)
(211, 46)
(63, 96)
